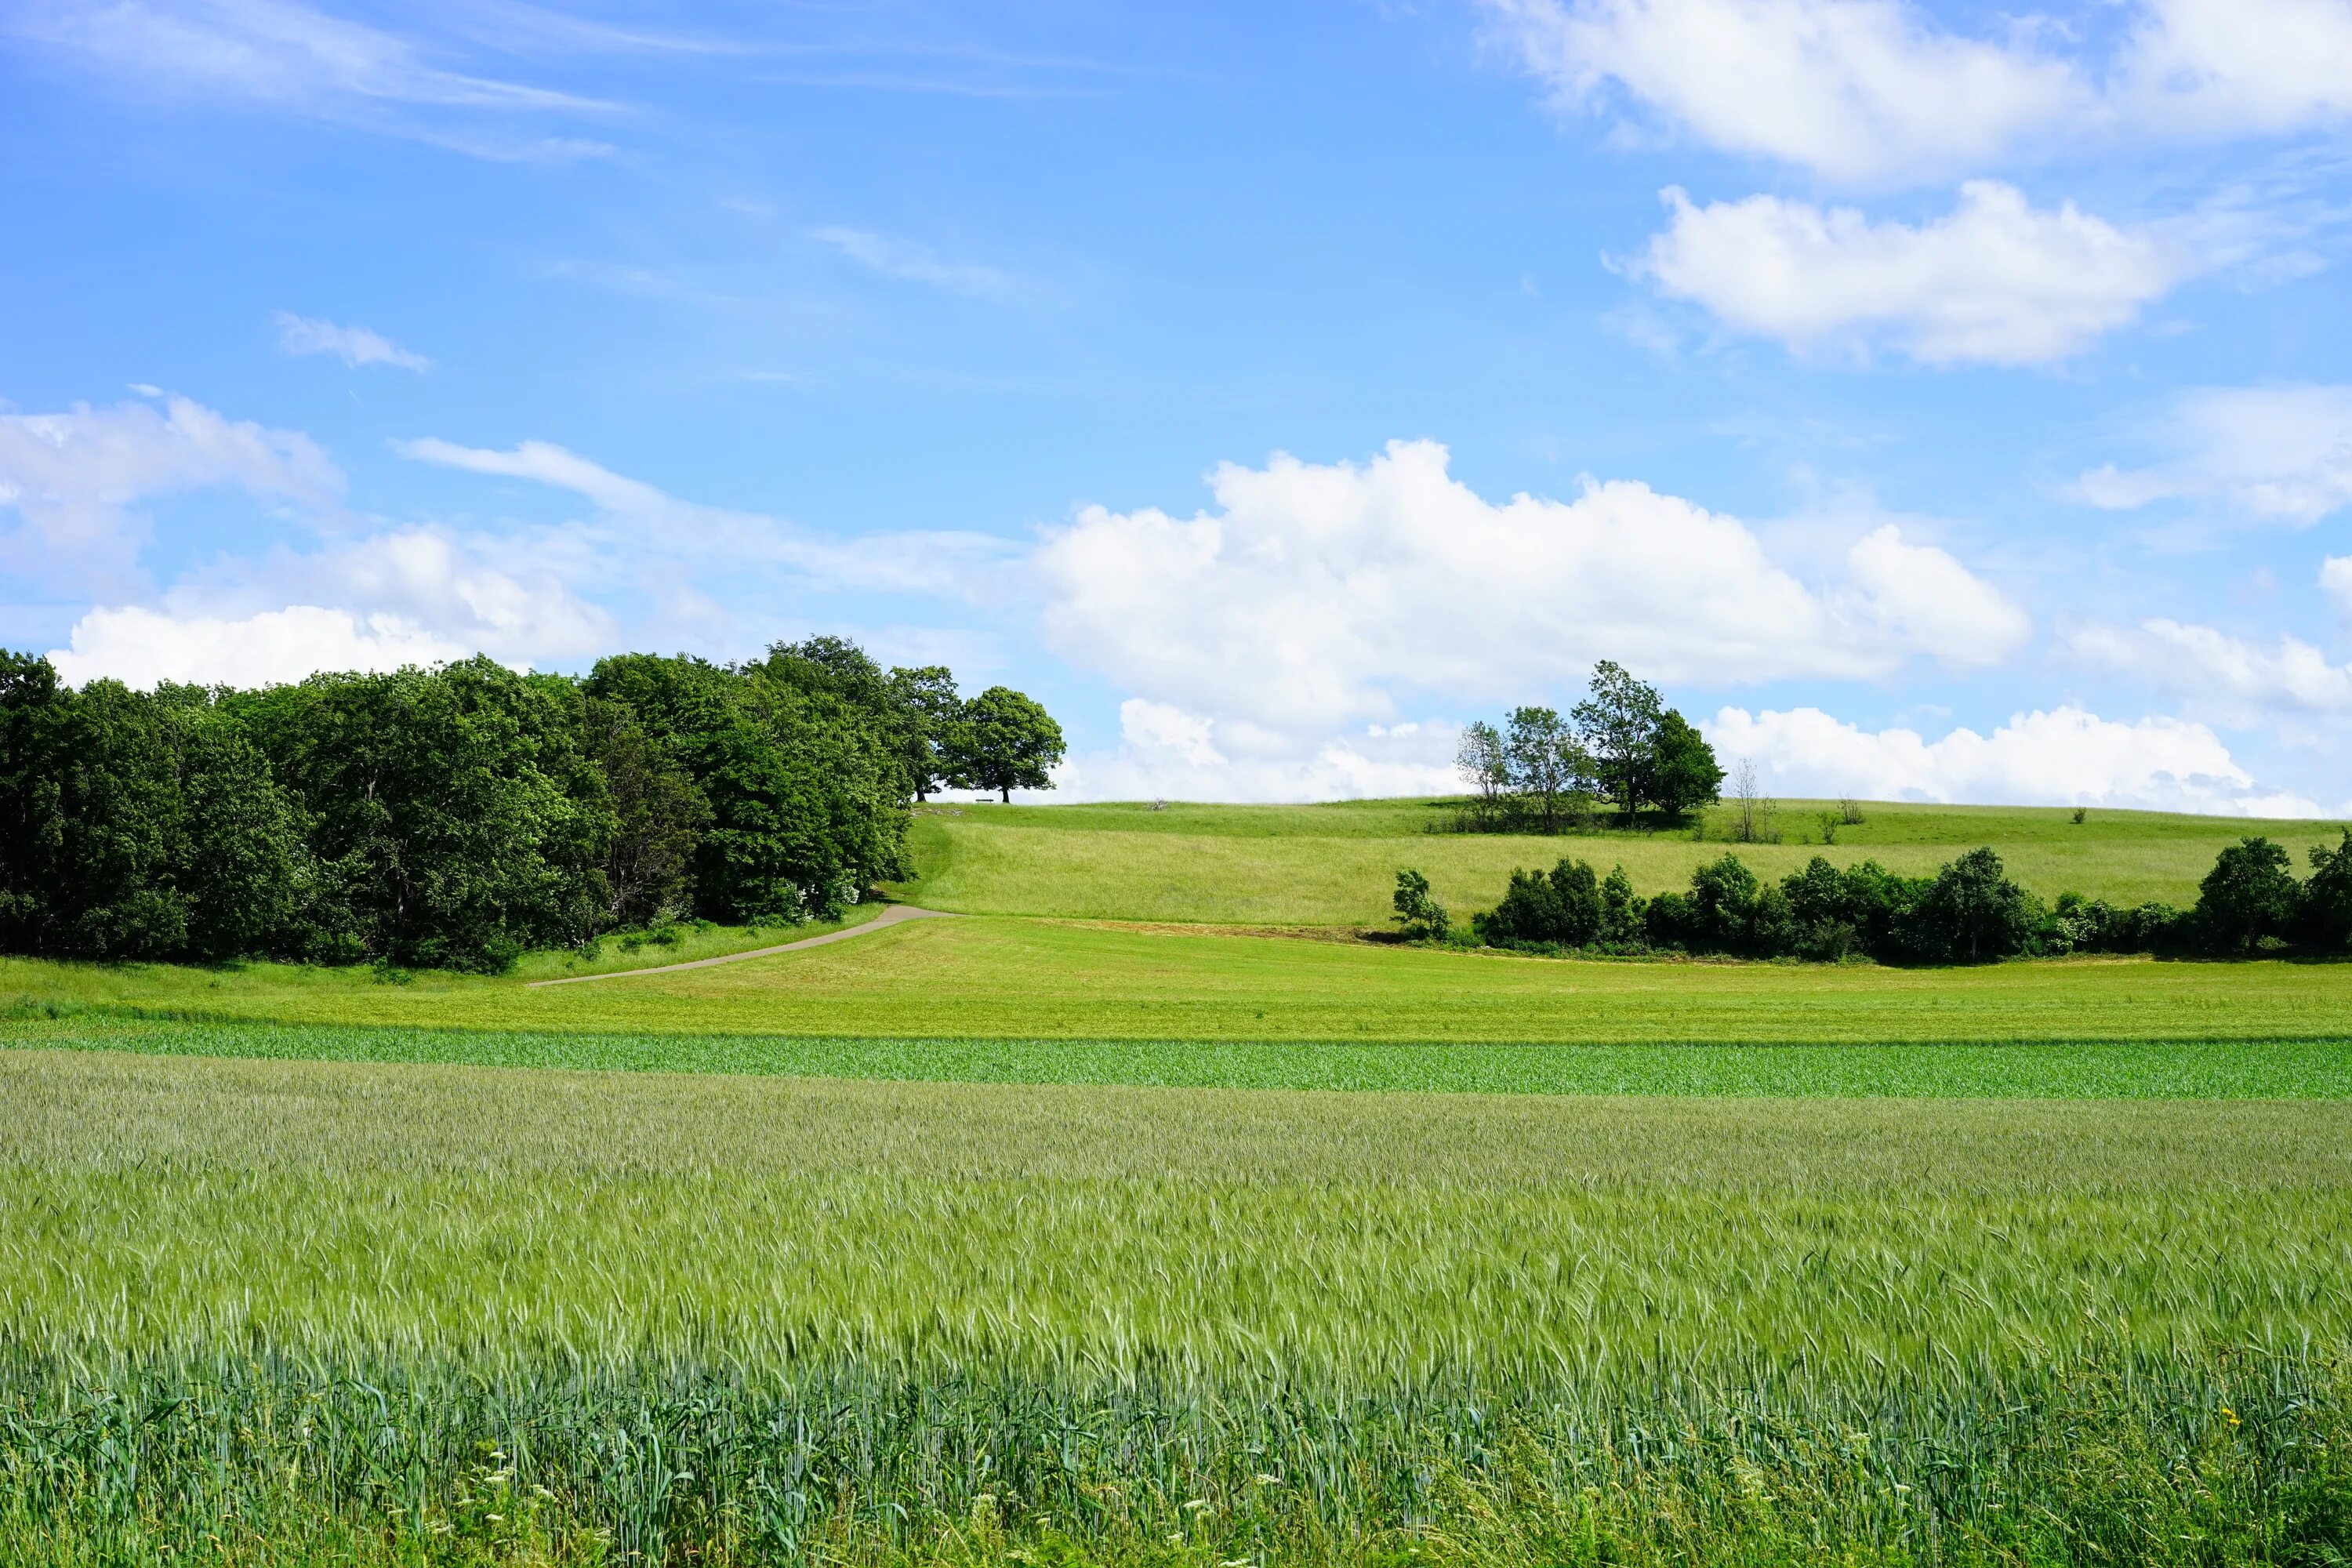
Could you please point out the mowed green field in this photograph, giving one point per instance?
(1002, 978)
(1336, 865)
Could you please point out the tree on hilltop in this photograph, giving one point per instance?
(1007, 742)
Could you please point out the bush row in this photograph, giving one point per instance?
(1967, 912)
(461, 816)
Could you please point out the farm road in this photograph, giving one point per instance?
(888, 917)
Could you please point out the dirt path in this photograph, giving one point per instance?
(888, 917)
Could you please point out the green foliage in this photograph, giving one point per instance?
(1005, 741)
(1680, 774)
(1618, 721)
(456, 821)
(1420, 917)
(803, 782)
(931, 717)
(1543, 772)
(659, 814)
(2328, 897)
(1562, 909)
(2249, 897)
(458, 817)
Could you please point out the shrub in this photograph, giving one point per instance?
(1418, 916)
(1560, 908)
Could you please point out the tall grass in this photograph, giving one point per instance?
(418, 1314)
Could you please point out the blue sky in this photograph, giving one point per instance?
(1936, 403)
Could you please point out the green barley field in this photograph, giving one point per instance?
(1106, 1225)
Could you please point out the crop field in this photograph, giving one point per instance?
(1119, 1224)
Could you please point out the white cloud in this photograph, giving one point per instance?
(2226, 67)
(302, 60)
(644, 524)
(2336, 581)
(1995, 281)
(1876, 91)
(1168, 753)
(1316, 594)
(916, 264)
(1858, 89)
(355, 346)
(2277, 452)
(2236, 681)
(142, 647)
(73, 479)
(2066, 756)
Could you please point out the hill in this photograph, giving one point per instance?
(1335, 864)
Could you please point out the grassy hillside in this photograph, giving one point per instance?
(996, 978)
(1336, 864)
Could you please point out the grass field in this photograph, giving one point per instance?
(1337, 863)
(998, 978)
(2115, 1069)
(717, 1320)
(1011, 1239)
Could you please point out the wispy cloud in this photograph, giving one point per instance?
(355, 346)
(302, 59)
(915, 263)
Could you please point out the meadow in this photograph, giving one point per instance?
(1191, 1233)
(1335, 865)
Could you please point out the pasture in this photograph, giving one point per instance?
(1143, 1227)
(1334, 865)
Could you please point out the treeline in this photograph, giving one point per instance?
(462, 816)
(1621, 747)
(1969, 912)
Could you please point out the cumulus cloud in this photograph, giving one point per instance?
(2236, 681)
(73, 480)
(1877, 91)
(1995, 281)
(355, 346)
(1166, 752)
(2064, 756)
(1857, 89)
(142, 647)
(2280, 453)
(1315, 595)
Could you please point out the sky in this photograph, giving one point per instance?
(1936, 403)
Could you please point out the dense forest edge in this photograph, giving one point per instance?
(459, 817)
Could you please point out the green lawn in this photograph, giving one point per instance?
(990, 978)
(1337, 863)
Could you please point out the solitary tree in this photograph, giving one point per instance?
(1618, 724)
(1545, 761)
(1485, 766)
(1007, 742)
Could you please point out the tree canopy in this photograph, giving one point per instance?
(459, 817)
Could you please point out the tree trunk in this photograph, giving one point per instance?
(1008, 794)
